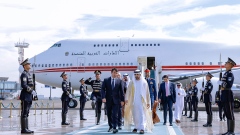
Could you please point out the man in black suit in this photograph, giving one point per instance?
(167, 96)
(112, 95)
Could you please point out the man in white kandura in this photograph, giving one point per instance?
(180, 94)
(138, 105)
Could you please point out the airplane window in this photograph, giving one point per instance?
(198, 63)
(135, 44)
(123, 64)
(42, 65)
(194, 63)
(202, 63)
(210, 63)
(109, 45)
(89, 64)
(139, 45)
(190, 63)
(60, 65)
(131, 63)
(82, 64)
(93, 64)
(45, 65)
(143, 45)
(38, 65)
(102, 45)
(108, 64)
(96, 64)
(158, 44)
(186, 63)
(113, 45)
(59, 45)
(146, 44)
(98, 45)
(131, 44)
(127, 63)
(104, 64)
(49, 65)
(67, 65)
(94, 45)
(116, 45)
(119, 64)
(52, 65)
(115, 64)
(100, 64)
(112, 64)
(56, 65)
(63, 65)
(154, 44)
(150, 44)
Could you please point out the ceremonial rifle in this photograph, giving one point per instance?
(220, 77)
(202, 96)
(35, 98)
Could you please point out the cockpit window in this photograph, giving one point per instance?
(56, 45)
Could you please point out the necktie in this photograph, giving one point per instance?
(166, 87)
(112, 84)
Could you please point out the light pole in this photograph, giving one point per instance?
(50, 97)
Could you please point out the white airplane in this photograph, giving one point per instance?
(182, 60)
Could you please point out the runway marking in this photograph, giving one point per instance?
(171, 130)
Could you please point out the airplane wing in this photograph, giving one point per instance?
(184, 76)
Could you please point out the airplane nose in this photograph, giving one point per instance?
(20, 69)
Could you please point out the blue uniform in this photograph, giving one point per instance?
(208, 97)
(83, 100)
(195, 101)
(152, 90)
(220, 105)
(65, 96)
(227, 94)
(26, 93)
(189, 101)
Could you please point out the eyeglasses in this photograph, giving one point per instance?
(178, 85)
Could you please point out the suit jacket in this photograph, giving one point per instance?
(162, 92)
(115, 95)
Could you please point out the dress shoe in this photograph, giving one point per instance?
(134, 130)
(189, 117)
(119, 128)
(141, 132)
(115, 131)
(110, 129)
(170, 124)
(164, 123)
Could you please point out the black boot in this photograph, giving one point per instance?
(227, 127)
(64, 117)
(195, 117)
(98, 118)
(190, 116)
(81, 116)
(231, 127)
(206, 125)
(23, 126)
(27, 125)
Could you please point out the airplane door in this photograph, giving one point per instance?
(124, 44)
(81, 64)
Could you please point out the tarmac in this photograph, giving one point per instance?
(48, 122)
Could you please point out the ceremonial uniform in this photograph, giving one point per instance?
(195, 101)
(82, 99)
(66, 97)
(207, 99)
(96, 86)
(185, 104)
(220, 105)
(26, 97)
(189, 101)
(152, 88)
(227, 96)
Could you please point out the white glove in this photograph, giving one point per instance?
(34, 93)
(202, 89)
(219, 82)
(70, 95)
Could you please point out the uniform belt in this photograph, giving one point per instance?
(227, 89)
(96, 90)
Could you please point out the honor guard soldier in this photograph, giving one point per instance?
(96, 86)
(26, 96)
(195, 99)
(227, 96)
(185, 103)
(152, 87)
(189, 99)
(220, 105)
(207, 99)
(83, 98)
(66, 97)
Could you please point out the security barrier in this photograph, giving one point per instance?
(18, 106)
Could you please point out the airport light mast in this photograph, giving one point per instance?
(21, 46)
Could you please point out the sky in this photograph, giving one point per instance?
(41, 23)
